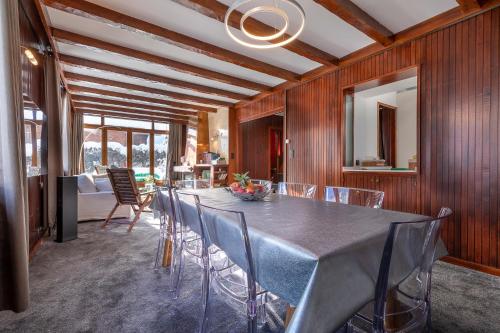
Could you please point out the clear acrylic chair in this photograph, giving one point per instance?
(297, 190)
(403, 300)
(354, 196)
(228, 231)
(163, 210)
(192, 184)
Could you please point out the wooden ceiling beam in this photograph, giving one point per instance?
(359, 19)
(130, 105)
(96, 44)
(110, 108)
(107, 16)
(133, 116)
(467, 5)
(217, 11)
(74, 77)
(90, 64)
(76, 90)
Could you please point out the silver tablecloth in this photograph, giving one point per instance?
(322, 257)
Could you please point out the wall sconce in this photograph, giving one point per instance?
(29, 54)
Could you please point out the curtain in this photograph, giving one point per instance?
(14, 288)
(65, 129)
(53, 106)
(175, 149)
(76, 142)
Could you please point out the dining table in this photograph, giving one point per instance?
(322, 257)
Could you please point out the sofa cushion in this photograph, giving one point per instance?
(103, 185)
(85, 184)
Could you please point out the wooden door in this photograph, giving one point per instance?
(387, 133)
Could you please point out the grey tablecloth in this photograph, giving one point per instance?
(322, 257)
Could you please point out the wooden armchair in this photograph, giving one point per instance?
(126, 192)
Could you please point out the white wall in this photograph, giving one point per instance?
(406, 127)
(217, 122)
(365, 124)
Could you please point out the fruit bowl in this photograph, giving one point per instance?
(249, 190)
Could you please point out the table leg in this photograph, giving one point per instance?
(290, 309)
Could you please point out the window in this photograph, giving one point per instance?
(140, 155)
(160, 157)
(161, 127)
(117, 148)
(127, 123)
(92, 149)
(91, 120)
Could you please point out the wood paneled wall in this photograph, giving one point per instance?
(459, 145)
(270, 105)
(255, 145)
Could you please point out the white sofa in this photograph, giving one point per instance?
(96, 199)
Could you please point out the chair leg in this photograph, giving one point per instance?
(110, 215)
(161, 242)
(290, 309)
(136, 218)
(205, 289)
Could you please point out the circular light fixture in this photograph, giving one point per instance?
(265, 42)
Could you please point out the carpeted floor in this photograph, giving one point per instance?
(104, 282)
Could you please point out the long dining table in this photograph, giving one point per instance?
(322, 257)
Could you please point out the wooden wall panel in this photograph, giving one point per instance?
(459, 119)
(255, 145)
(267, 106)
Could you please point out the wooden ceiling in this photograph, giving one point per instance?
(115, 61)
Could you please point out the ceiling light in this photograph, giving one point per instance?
(30, 56)
(282, 15)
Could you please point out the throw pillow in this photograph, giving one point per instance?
(85, 184)
(103, 185)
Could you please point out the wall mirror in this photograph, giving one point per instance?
(380, 123)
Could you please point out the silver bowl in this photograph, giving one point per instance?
(254, 196)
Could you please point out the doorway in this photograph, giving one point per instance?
(386, 141)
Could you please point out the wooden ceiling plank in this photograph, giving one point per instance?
(467, 5)
(104, 15)
(83, 105)
(133, 116)
(96, 44)
(75, 90)
(131, 105)
(217, 11)
(178, 96)
(90, 64)
(359, 19)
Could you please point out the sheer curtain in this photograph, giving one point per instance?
(175, 149)
(14, 288)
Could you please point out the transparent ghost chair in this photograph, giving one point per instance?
(228, 231)
(162, 205)
(297, 190)
(354, 196)
(192, 184)
(403, 290)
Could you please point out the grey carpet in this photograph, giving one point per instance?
(104, 282)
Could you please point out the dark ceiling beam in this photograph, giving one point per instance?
(90, 64)
(129, 115)
(359, 19)
(74, 77)
(149, 30)
(217, 11)
(467, 5)
(96, 44)
(111, 108)
(130, 105)
(76, 90)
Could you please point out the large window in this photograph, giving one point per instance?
(140, 155)
(117, 148)
(160, 156)
(124, 143)
(92, 148)
(33, 123)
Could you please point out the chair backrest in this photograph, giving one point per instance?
(228, 230)
(297, 189)
(164, 201)
(184, 217)
(402, 298)
(354, 196)
(192, 184)
(100, 169)
(124, 185)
